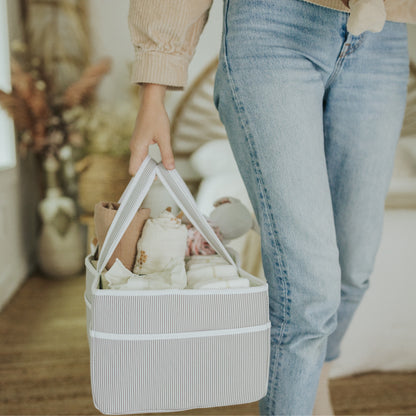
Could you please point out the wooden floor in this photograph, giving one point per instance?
(44, 362)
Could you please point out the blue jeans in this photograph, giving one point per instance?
(313, 115)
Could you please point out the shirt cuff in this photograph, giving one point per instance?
(160, 68)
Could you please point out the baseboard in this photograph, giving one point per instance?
(11, 278)
(18, 201)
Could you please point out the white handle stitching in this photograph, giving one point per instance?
(132, 198)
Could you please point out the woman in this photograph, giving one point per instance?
(313, 115)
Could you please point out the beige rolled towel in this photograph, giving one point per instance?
(126, 250)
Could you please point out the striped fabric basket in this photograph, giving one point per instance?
(174, 349)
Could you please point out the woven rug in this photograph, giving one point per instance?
(44, 362)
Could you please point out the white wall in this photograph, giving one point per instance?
(7, 144)
(18, 196)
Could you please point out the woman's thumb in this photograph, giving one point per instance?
(138, 154)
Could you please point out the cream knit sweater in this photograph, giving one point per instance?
(165, 34)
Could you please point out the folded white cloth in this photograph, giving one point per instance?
(200, 272)
(204, 259)
(163, 238)
(222, 284)
(174, 276)
(119, 277)
(208, 272)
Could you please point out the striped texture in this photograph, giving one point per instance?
(179, 374)
(130, 202)
(178, 313)
(176, 373)
(165, 35)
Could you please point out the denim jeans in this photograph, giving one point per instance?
(313, 115)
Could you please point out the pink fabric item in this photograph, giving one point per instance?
(196, 243)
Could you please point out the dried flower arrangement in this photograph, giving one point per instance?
(105, 128)
(41, 119)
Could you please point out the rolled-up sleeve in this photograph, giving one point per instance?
(164, 34)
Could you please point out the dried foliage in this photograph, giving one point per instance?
(81, 92)
(39, 116)
(106, 128)
(17, 109)
(64, 55)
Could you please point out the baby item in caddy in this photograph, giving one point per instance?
(160, 257)
(163, 241)
(174, 255)
(161, 262)
(104, 213)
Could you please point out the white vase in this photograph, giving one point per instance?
(60, 246)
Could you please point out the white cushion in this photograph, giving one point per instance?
(213, 158)
(220, 185)
(382, 334)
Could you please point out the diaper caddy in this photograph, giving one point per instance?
(172, 350)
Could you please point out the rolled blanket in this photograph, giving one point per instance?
(104, 213)
(163, 239)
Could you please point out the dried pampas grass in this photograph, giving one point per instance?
(80, 92)
(45, 122)
(17, 109)
(30, 91)
(58, 34)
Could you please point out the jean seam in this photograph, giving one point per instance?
(349, 46)
(266, 201)
(338, 65)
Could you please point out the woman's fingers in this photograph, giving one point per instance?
(138, 154)
(166, 152)
(152, 126)
(139, 151)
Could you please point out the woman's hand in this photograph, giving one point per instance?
(152, 126)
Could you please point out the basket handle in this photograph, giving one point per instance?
(130, 202)
(133, 196)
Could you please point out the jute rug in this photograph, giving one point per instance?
(44, 362)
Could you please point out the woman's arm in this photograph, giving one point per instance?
(164, 34)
